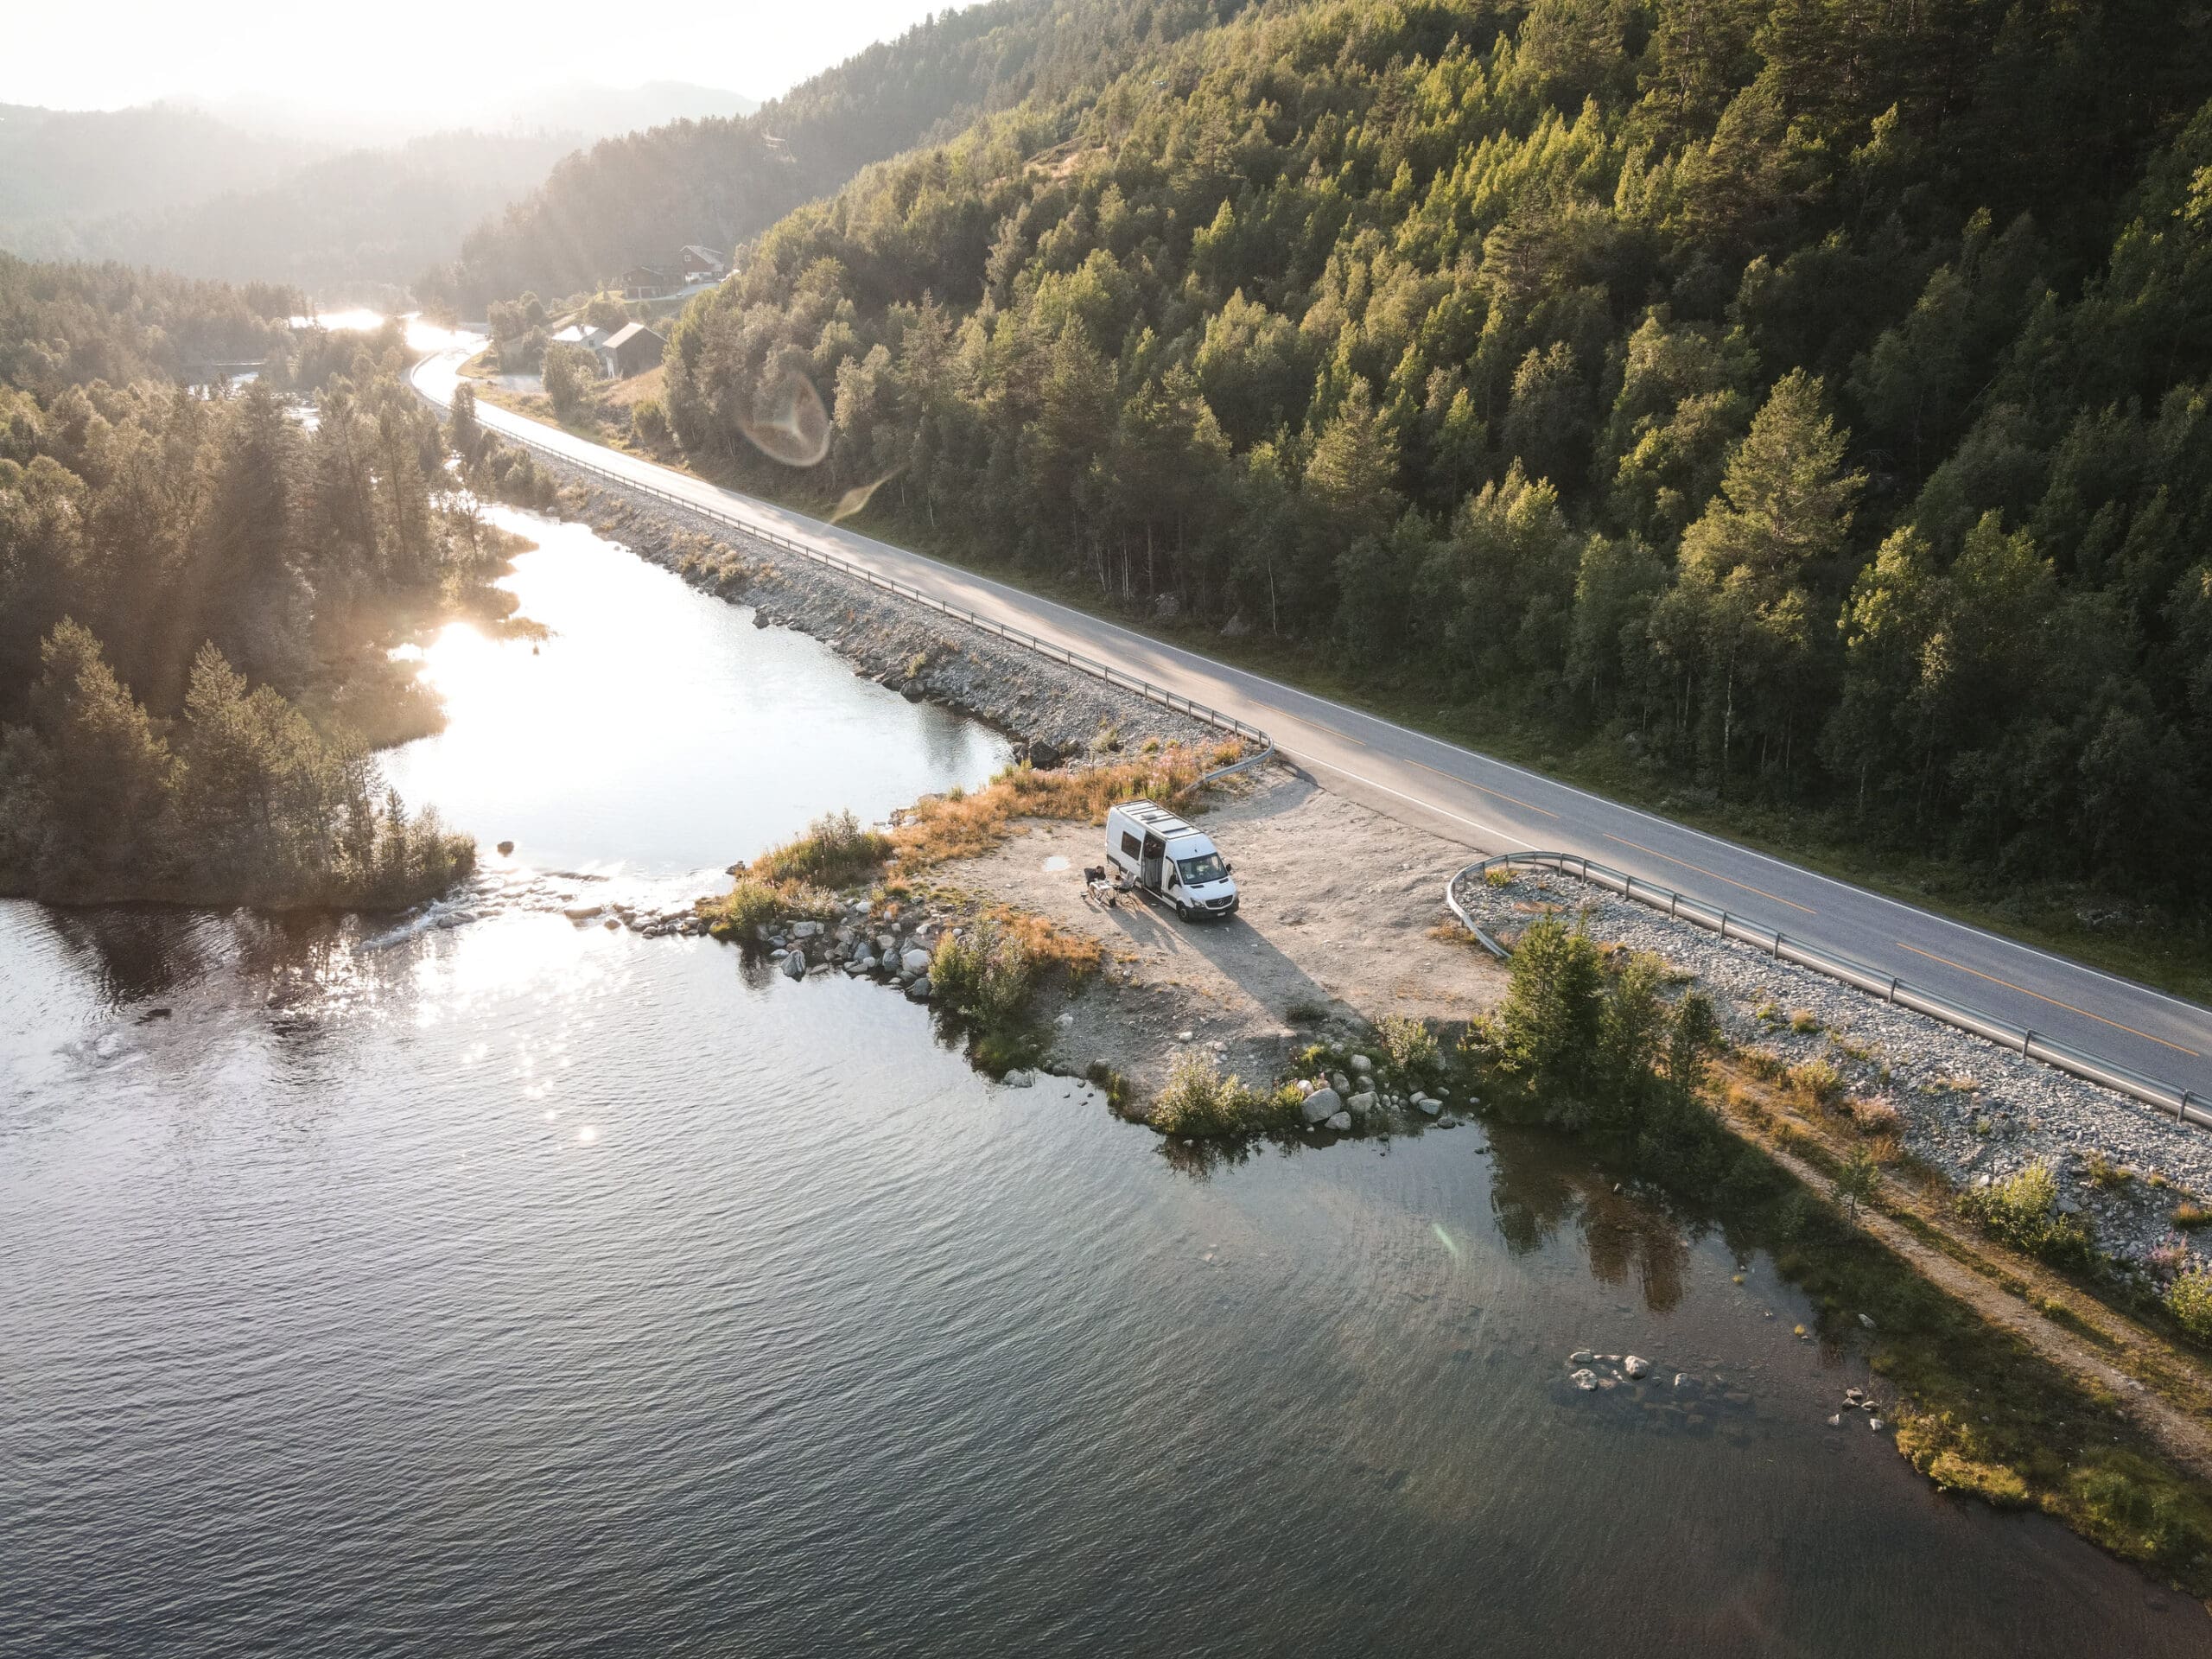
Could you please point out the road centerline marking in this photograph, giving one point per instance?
(1715, 874)
(2053, 1000)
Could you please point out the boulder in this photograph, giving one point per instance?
(916, 960)
(1321, 1104)
(1043, 754)
(1361, 1104)
(1637, 1367)
(920, 990)
(1019, 1079)
(793, 966)
(805, 930)
(1340, 1083)
(1429, 1107)
(1584, 1379)
(885, 944)
(1362, 1064)
(505, 847)
(1340, 1122)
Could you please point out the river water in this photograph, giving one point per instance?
(526, 1287)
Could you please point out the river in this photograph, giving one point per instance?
(520, 1286)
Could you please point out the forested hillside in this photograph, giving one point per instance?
(71, 325)
(641, 197)
(1806, 396)
(195, 596)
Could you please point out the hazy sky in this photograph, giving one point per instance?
(399, 54)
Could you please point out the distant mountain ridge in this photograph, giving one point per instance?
(182, 187)
(719, 181)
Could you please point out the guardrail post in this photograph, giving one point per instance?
(1723, 924)
(1893, 987)
(2026, 1037)
(1778, 944)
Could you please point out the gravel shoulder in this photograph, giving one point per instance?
(916, 651)
(1966, 1108)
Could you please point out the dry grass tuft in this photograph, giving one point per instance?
(957, 825)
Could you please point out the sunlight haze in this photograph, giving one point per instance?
(258, 48)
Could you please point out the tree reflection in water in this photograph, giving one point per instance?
(1541, 1182)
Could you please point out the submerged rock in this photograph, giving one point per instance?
(793, 966)
(920, 990)
(1019, 1079)
(1341, 1121)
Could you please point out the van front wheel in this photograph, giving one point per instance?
(1182, 911)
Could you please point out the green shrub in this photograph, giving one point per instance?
(835, 852)
(2022, 1210)
(1200, 1101)
(1816, 1083)
(752, 902)
(649, 422)
(2190, 1298)
(2100, 1171)
(1409, 1047)
(984, 974)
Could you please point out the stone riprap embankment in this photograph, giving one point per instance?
(1052, 710)
(1973, 1111)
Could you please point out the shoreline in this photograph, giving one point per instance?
(1343, 926)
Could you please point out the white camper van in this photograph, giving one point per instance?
(1165, 857)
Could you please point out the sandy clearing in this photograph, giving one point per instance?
(1337, 902)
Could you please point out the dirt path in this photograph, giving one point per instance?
(1337, 903)
(2184, 1434)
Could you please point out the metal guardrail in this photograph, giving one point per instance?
(2184, 1104)
(1045, 648)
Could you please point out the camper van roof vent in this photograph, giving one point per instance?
(1158, 819)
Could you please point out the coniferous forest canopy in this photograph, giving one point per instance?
(195, 590)
(1809, 396)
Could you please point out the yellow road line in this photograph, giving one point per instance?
(1715, 874)
(2053, 1000)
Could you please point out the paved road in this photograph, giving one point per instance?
(1489, 805)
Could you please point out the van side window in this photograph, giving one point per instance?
(1131, 847)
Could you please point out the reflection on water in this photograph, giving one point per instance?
(656, 727)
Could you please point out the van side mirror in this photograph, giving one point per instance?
(1228, 868)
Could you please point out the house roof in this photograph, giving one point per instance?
(577, 334)
(615, 342)
(707, 254)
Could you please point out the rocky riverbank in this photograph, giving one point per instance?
(1969, 1109)
(1051, 710)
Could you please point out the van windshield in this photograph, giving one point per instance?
(1206, 867)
